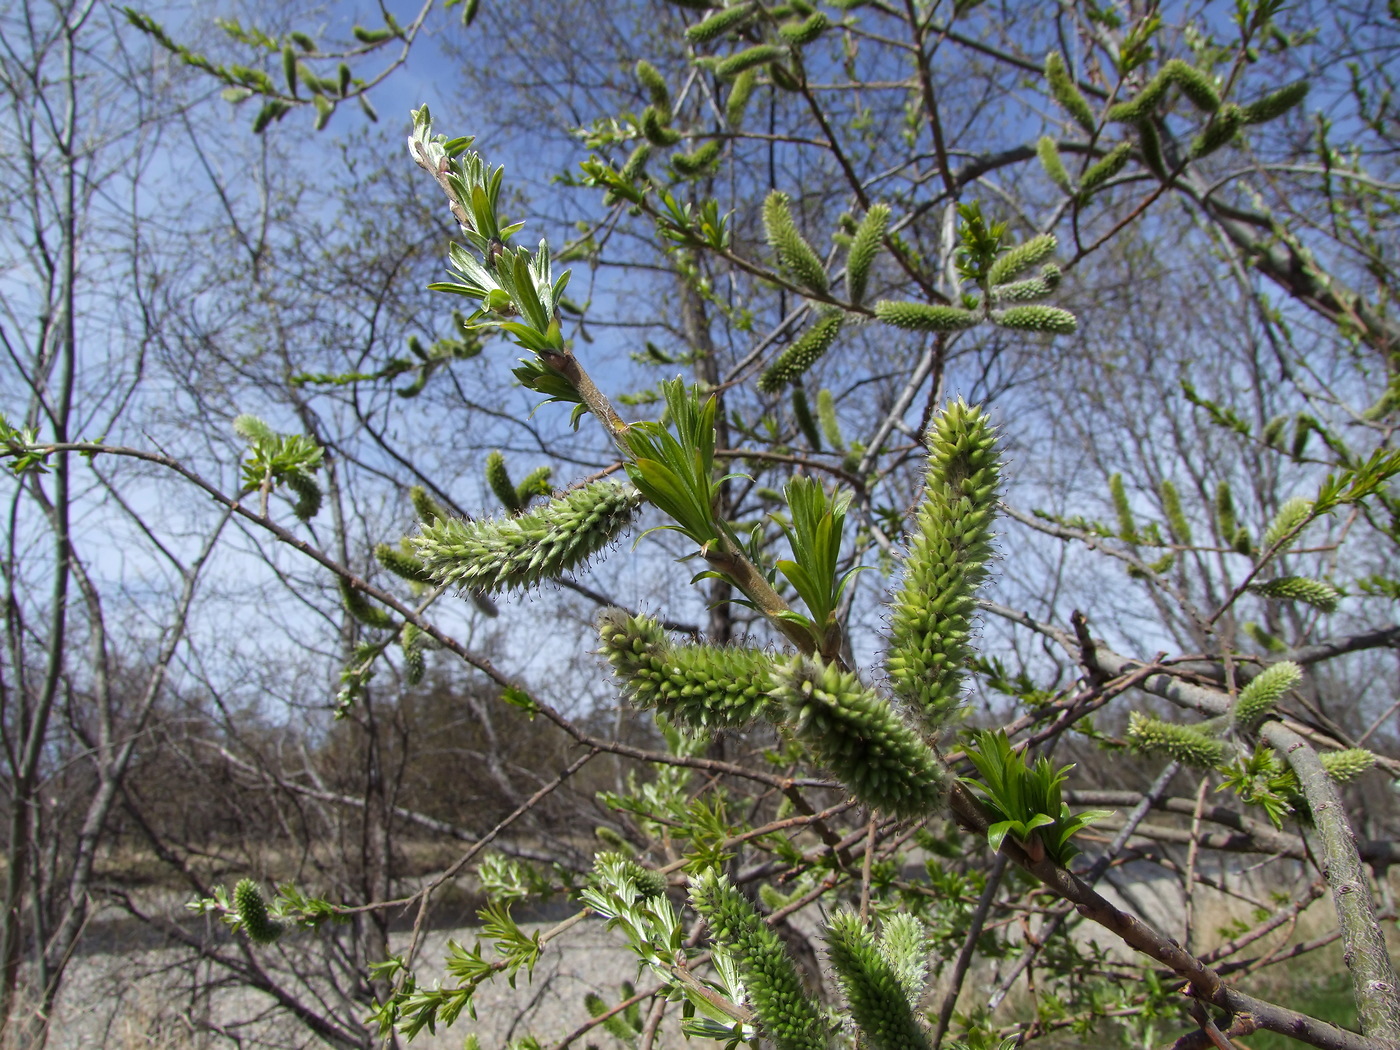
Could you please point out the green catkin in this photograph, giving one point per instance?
(1108, 166)
(535, 483)
(826, 416)
(1066, 92)
(1028, 291)
(361, 608)
(425, 508)
(856, 734)
(1177, 524)
(1264, 691)
(1225, 125)
(904, 942)
(252, 911)
(806, 422)
(649, 882)
(1016, 261)
(1343, 766)
(803, 352)
(925, 317)
(542, 544)
(289, 69)
(1141, 106)
(1184, 744)
(873, 990)
(1272, 434)
(1127, 527)
(1291, 515)
(738, 102)
(1225, 519)
(692, 165)
(1276, 104)
(498, 477)
(614, 1025)
(800, 34)
(795, 256)
(785, 1013)
(950, 545)
(718, 24)
(414, 663)
(1194, 83)
(650, 78)
(308, 493)
(1054, 165)
(1262, 638)
(656, 127)
(702, 686)
(1319, 595)
(1037, 319)
(402, 564)
(252, 429)
(749, 59)
(865, 246)
(636, 163)
(1303, 427)
(1150, 143)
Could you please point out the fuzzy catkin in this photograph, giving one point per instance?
(786, 1014)
(925, 317)
(1016, 261)
(950, 545)
(1321, 596)
(865, 246)
(795, 256)
(855, 733)
(1264, 691)
(252, 910)
(874, 992)
(493, 556)
(703, 686)
(1067, 92)
(1185, 744)
(803, 352)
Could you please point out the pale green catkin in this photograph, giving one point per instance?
(753, 57)
(1049, 319)
(1343, 766)
(1177, 524)
(865, 246)
(1184, 744)
(949, 548)
(857, 735)
(360, 607)
(1321, 596)
(1108, 166)
(702, 686)
(795, 256)
(873, 990)
(1066, 92)
(1263, 692)
(1291, 515)
(1016, 261)
(720, 23)
(738, 102)
(498, 478)
(803, 353)
(542, 544)
(925, 317)
(785, 1013)
(1054, 165)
